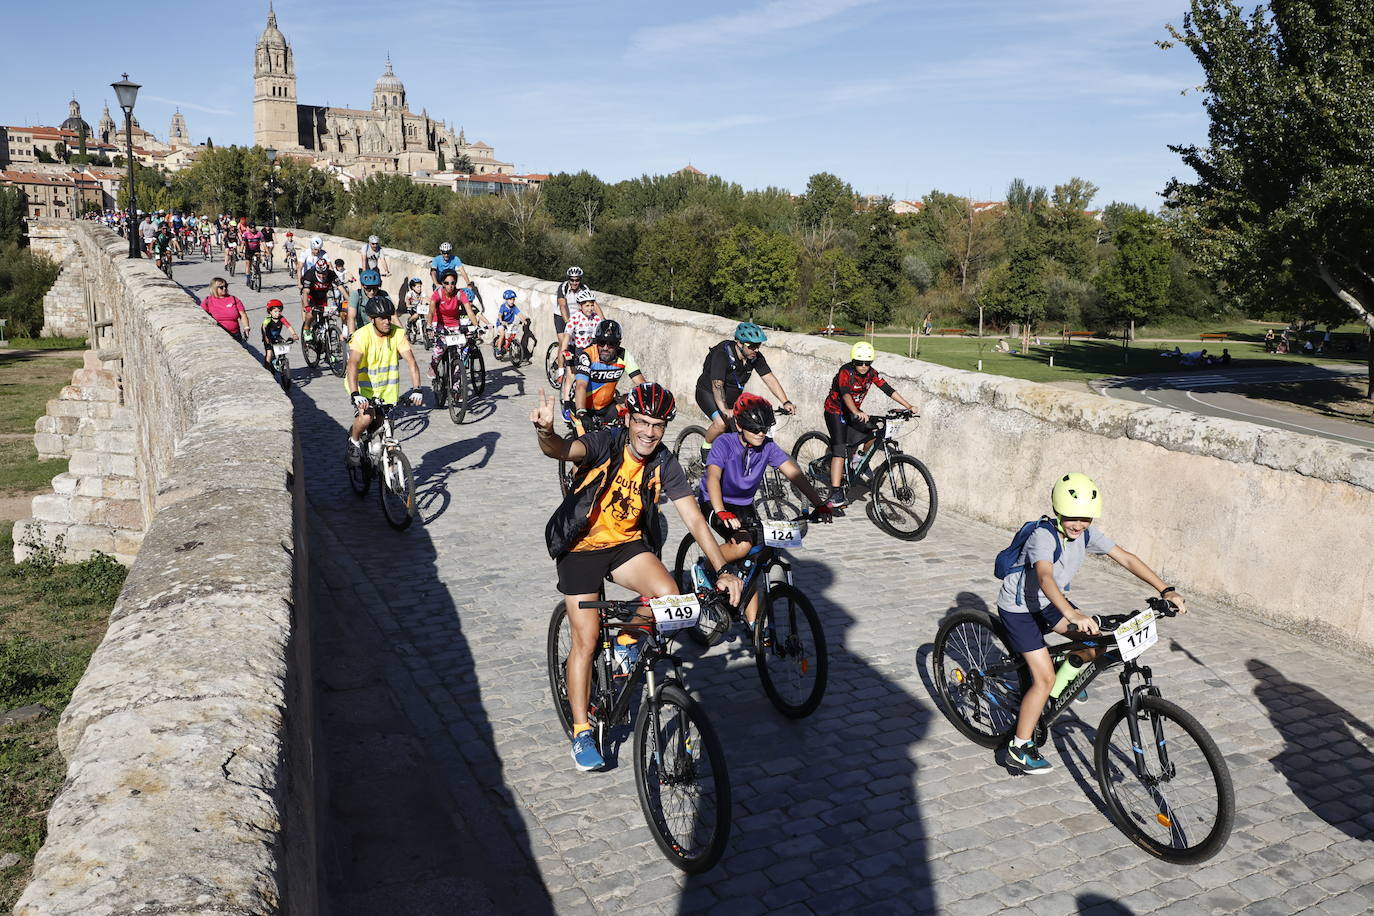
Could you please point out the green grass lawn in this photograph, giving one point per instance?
(28, 379)
(52, 616)
(1175, 329)
(1083, 360)
(47, 343)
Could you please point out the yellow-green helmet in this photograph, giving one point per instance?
(862, 352)
(1076, 496)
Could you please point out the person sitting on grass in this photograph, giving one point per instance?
(1002, 345)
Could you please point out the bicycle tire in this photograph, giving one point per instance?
(477, 372)
(692, 831)
(551, 364)
(983, 708)
(903, 492)
(811, 452)
(1158, 811)
(284, 373)
(791, 653)
(558, 646)
(715, 620)
(338, 353)
(232, 262)
(360, 478)
(566, 471)
(309, 352)
(778, 499)
(457, 391)
(396, 489)
(687, 451)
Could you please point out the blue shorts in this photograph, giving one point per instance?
(1027, 630)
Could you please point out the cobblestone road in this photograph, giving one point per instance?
(452, 790)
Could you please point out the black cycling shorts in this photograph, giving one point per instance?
(844, 435)
(560, 324)
(748, 521)
(707, 403)
(581, 572)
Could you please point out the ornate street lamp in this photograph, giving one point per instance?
(126, 92)
(272, 181)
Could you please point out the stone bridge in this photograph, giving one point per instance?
(300, 710)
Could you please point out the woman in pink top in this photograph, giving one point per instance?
(226, 309)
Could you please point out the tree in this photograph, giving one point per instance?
(611, 255)
(462, 163)
(838, 285)
(570, 198)
(1070, 235)
(1282, 210)
(13, 208)
(673, 261)
(1135, 284)
(442, 166)
(755, 269)
(827, 198)
(880, 258)
(1016, 291)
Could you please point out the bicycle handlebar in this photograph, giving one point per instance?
(1109, 622)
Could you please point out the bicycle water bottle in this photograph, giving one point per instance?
(1065, 675)
(374, 448)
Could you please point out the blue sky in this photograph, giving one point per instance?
(894, 97)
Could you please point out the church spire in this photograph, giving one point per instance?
(271, 16)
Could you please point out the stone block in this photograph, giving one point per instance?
(50, 445)
(89, 393)
(127, 542)
(96, 378)
(66, 484)
(83, 540)
(115, 442)
(61, 407)
(63, 426)
(50, 507)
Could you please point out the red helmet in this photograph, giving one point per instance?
(652, 400)
(275, 304)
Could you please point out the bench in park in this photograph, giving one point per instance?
(829, 331)
(1214, 335)
(946, 332)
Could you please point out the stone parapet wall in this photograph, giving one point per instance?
(1272, 522)
(65, 308)
(189, 787)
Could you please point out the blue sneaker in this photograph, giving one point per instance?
(584, 753)
(702, 578)
(626, 657)
(1082, 697)
(1026, 758)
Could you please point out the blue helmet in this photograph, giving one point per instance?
(748, 332)
(508, 294)
(370, 278)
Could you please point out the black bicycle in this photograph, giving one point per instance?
(787, 639)
(325, 343)
(281, 364)
(383, 458)
(1166, 785)
(552, 371)
(901, 493)
(680, 772)
(462, 371)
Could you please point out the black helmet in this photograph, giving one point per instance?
(608, 332)
(379, 306)
(652, 400)
(754, 414)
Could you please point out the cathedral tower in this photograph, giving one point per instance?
(178, 136)
(274, 89)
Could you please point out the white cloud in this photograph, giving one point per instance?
(192, 106)
(774, 16)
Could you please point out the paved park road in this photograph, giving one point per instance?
(451, 790)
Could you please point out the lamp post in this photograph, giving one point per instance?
(125, 93)
(271, 182)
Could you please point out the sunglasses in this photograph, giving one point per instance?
(752, 347)
(863, 362)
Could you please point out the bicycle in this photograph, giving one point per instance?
(1166, 785)
(281, 364)
(325, 342)
(253, 272)
(164, 263)
(232, 251)
(567, 471)
(462, 374)
(290, 265)
(902, 500)
(205, 247)
(417, 329)
(383, 458)
(514, 344)
(680, 771)
(267, 255)
(787, 640)
(552, 371)
(687, 449)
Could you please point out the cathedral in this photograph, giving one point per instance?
(389, 137)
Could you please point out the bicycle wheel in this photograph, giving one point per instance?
(396, 489)
(360, 478)
(458, 389)
(1182, 808)
(777, 499)
(687, 450)
(902, 499)
(338, 353)
(559, 645)
(284, 373)
(812, 454)
(551, 364)
(980, 681)
(309, 352)
(232, 263)
(477, 372)
(714, 622)
(789, 649)
(683, 784)
(566, 471)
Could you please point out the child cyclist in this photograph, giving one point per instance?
(1032, 601)
(275, 329)
(509, 319)
(734, 470)
(845, 421)
(581, 327)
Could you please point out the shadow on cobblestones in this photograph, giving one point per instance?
(1098, 905)
(1328, 767)
(432, 496)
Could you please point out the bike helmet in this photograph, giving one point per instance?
(448, 275)
(274, 304)
(608, 332)
(445, 248)
(373, 240)
(585, 295)
(652, 400)
(748, 332)
(321, 261)
(1076, 496)
(862, 352)
(754, 414)
(574, 273)
(415, 281)
(317, 242)
(379, 306)
(370, 278)
(508, 294)
(291, 235)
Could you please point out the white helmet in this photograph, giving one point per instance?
(373, 240)
(574, 273)
(445, 248)
(317, 242)
(586, 295)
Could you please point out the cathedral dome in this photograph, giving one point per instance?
(272, 36)
(74, 121)
(388, 81)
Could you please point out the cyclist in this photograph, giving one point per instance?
(316, 282)
(1032, 600)
(581, 325)
(734, 470)
(845, 421)
(369, 286)
(444, 262)
(288, 249)
(252, 248)
(567, 292)
(163, 243)
(316, 252)
(226, 309)
(597, 371)
(372, 257)
(275, 329)
(510, 317)
(268, 238)
(231, 242)
(374, 370)
(727, 369)
(450, 308)
(607, 527)
(412, 296)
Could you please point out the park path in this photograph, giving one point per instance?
(451, 791)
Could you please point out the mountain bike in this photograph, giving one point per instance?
(291, 266)
(267, 255)
(680, 772)
(164, 263)
(787, 638)
(1166, 785)
(205, 247)
(515, 344)
(233, 257)
(325, 343)
(281, 364)
(253, 272)
(687, 448)
(462, 375)
(901, 493)
(382, 458)
(417, 330)
(552, 371)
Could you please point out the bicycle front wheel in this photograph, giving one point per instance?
(1173, 796)
(789, 649)
(979, 679)
(566, 470)
(458, 389)
(338, 354)
(559, 645)
(687, 450)
(284, 373)
(477, 372)
(684, 788)
(551, 364)
(902, 500)
(812, 454)
(715, 619)
(309, 352)
(396, 488)
(360, 478)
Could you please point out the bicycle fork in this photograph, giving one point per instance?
(1133, 695)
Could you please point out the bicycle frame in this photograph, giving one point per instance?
(609, 706)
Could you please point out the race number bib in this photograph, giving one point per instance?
(674, 612)
(422, 308)
(1137, 634)
(454, 340)
(281, 349)
(782, 533)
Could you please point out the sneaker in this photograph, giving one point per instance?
(837, 499)
(355, 454)
(702, 578)
(1026, 758)
(584, 753)
(1082, 697)
(626, 656)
